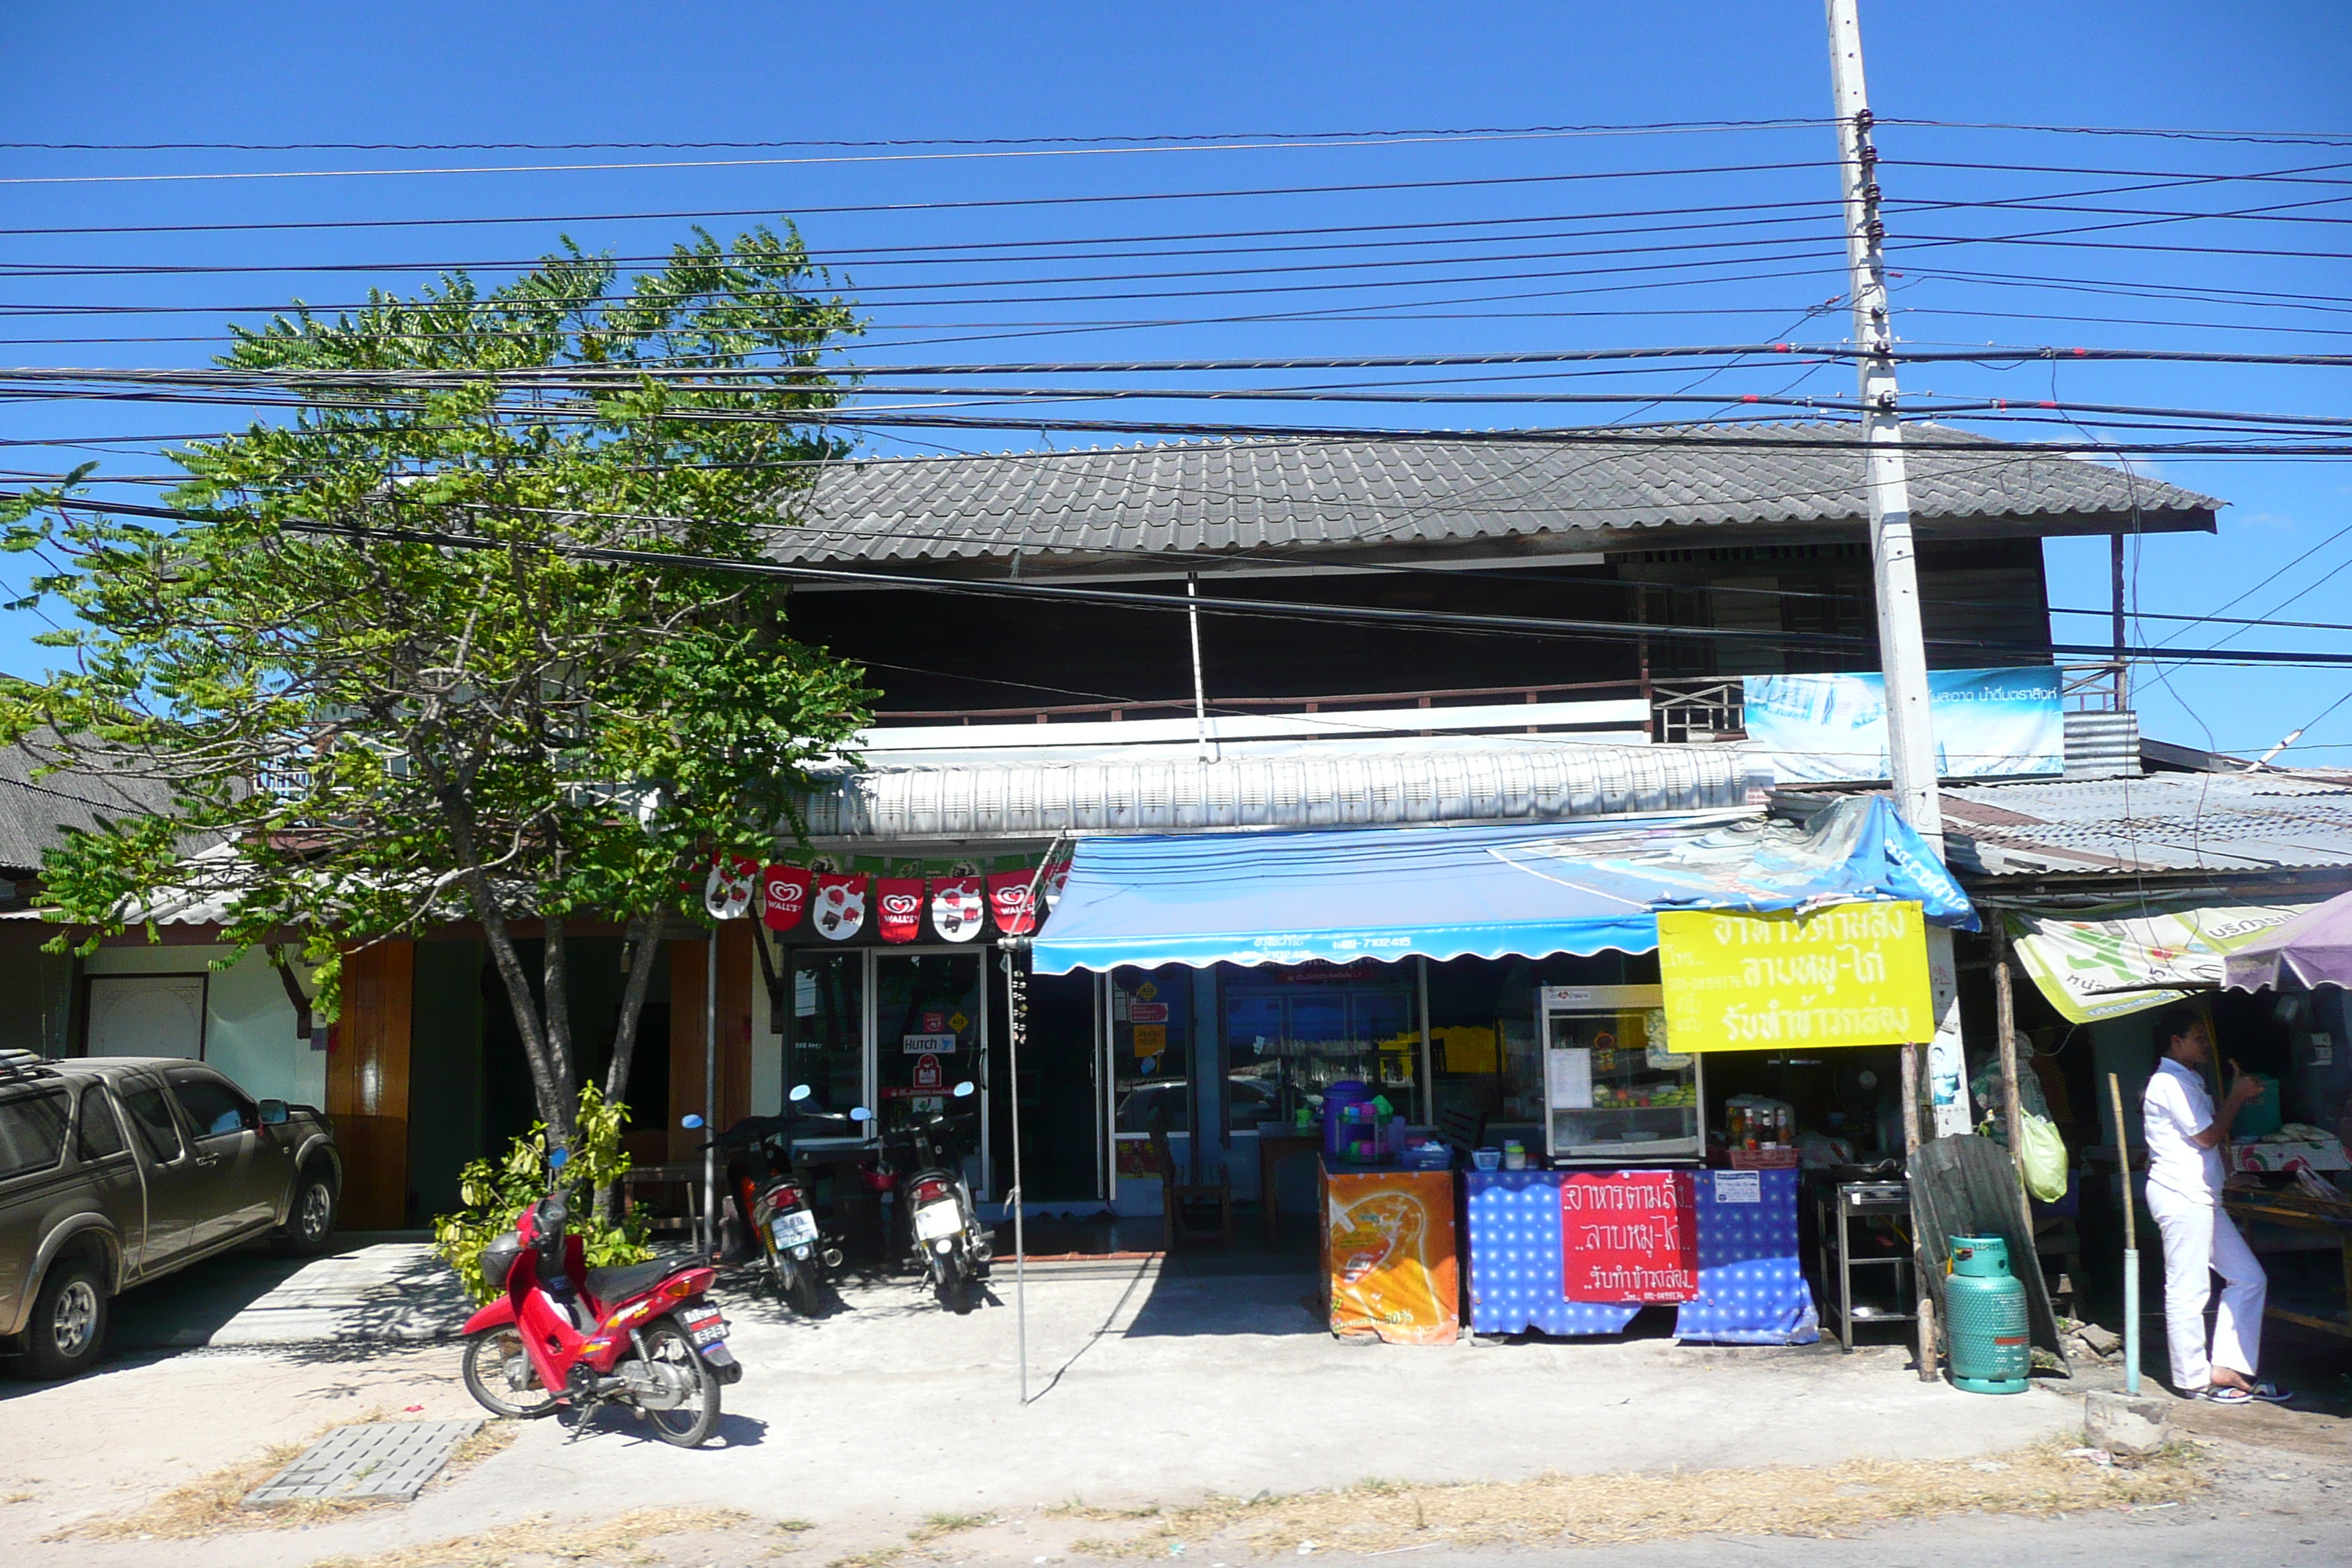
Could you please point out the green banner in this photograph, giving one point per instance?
(2119, 959)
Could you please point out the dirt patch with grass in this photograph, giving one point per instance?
(542, 1539)
(213, 1504)
(1383, 1515)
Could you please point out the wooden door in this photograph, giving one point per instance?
(367, 1084)
(689, 962)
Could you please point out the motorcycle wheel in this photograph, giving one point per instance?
(486, 1357)
(799, 1288)
(691, 1423)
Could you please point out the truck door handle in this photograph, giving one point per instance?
(207, 1161)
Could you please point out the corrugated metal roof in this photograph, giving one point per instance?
(1532, 783)
(1268, 496)
(2161, 823)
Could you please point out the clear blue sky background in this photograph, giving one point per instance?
(327, 71)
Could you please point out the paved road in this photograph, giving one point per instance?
(1148, 1385)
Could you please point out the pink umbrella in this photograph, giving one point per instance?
(2312, 949)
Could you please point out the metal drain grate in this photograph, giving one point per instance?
(381, 1459)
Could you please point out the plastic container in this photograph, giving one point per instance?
(1337, 1099)
(1514, 1156)
(1993, 1347)
(1486, 1159)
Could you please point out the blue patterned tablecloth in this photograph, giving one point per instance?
(1751, 1290)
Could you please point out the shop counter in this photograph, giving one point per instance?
(1735, 1233)
(1389, 1253)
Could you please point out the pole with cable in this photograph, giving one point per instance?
(1902, 644)
(1016, 948)
(710, 1097)
(2131, 1244)
(1200, 688)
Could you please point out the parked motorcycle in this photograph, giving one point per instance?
(944, 1230)
(564, 1334)
(774, 1193)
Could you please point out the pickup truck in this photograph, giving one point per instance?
(115, 1171)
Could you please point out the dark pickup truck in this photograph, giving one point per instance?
(117, 1170)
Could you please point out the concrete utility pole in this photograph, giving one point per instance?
(1902, 648)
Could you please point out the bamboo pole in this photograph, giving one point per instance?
(2131, 1244)
(2005, 1018)
(1913, 1137)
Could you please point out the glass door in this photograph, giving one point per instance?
(930, 1031)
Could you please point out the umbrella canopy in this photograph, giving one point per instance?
(2312, 949)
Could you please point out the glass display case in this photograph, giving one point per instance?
(1612, 1092)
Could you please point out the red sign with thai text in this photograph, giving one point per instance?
(1628, 1236)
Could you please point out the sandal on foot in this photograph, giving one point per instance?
(2269, 1393)
(2215, 1394)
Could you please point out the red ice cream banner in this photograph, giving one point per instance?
(840, 905)
(726, 890)
(959, 908)
(1008, 896)
(783, 896)
(1628, 1236)
(898, 900)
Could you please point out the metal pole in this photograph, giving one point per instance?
(1015, 947)
(1200, 689)
(2131, 1245)
(710, 1098)
(1902, 647)
(2115, 574)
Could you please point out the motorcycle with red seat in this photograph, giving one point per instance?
(564, 1334)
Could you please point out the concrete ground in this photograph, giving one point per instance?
(1147, 1385)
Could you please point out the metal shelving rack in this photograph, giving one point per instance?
(1837, 1205)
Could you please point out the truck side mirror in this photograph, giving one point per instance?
(273, 1113)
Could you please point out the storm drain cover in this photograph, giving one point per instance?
(383, 1460)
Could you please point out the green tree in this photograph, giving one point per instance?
(379, 729)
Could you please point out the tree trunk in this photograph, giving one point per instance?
(551, 1078)
(645, 952)
(555, 1004)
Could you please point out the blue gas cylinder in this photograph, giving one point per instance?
(1984, 1308)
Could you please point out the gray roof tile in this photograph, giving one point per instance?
(1308, 495)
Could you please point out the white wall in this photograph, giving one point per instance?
(248, 1022)
(767, 1059)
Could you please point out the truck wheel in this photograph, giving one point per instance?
(311, 1223)
(68, 1323)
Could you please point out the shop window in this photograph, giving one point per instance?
(826, 1047)
(1289, 1031)
(1151, 1048)
(1484, 1048)
(928, 1034)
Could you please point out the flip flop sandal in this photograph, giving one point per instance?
(2217, 1394)
(2269, 1393)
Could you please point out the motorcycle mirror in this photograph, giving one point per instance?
(964, 1088)
(800, 1092)
(691, 1122)
(561, 1158)
(859, 1113)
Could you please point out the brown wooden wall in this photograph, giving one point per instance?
(686, 960)
(367, 1084)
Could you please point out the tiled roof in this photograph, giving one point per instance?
(1726, 484)
(36, 812)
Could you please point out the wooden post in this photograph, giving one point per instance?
(2005, 1018)
(1913, 1137)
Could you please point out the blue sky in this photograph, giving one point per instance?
(426, 72)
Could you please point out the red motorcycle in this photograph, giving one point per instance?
(564, 1334)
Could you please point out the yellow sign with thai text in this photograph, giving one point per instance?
(1850, 974)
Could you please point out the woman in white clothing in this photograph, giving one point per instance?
(2185, 1139)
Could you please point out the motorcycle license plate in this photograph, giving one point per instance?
(793, 1227)
(704, 1328)
(938, 1220)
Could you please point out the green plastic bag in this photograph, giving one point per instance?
(2043, 1157)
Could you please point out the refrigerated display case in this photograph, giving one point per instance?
(1612, 1092)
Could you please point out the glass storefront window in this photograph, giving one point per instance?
(1485, 1046)
(927, 1033)
(1151, 1048)
(1291, 1031)
(826, 1048)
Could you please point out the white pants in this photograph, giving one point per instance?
(2200, 1242)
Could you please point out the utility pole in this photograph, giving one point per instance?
(1901, 646)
